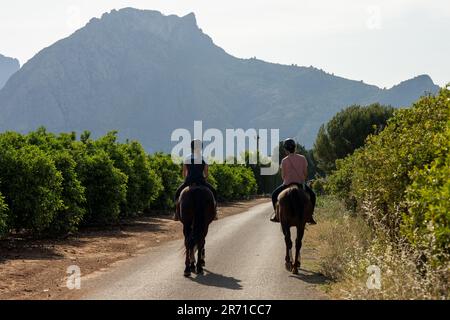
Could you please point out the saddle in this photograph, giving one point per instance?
(298, 185)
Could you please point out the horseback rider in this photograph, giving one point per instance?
(195, 171)
(294, 170)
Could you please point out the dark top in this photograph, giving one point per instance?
(195, 171)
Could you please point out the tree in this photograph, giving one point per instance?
(347, 131)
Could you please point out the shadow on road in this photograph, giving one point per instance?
(217, 280)
(310, 277)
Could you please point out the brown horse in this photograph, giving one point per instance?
(197, 211)
(293, 208)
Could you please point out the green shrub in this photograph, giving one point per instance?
(406, 158)
(169, 174)
(318, 186)
(106, 186)
(59, 149)
(31, 185)
(340, 182)
(427, 223)
(3, 216)
(70, 216)
(143, 185)
(245, 182)
(223, 176)
(232, 181)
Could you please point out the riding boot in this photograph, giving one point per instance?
(275, 217)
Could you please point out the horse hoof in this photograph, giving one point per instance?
(192, 268)
(295, 270)
(199, 270)
(187, 272)
(202, 263)
(288, 266)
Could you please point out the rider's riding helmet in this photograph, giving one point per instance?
(196, 145)
(289, 145)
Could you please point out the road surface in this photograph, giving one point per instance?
(244, 260)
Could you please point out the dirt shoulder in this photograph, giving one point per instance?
(37, 269)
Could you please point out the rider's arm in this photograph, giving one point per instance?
(205, 171)
(185, 170)
(306, 170)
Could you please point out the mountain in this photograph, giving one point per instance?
(146, 74)
(7, 67)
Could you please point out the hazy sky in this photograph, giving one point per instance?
(380, 42)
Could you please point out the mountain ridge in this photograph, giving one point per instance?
(146, 74)
(8, 66)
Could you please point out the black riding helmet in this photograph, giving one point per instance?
(289, 145)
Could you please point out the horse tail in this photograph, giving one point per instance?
(199, 218)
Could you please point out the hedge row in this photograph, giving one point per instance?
(52, 184)
(403, 173)
(232, 181)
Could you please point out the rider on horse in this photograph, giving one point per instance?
(195, 171)
(294, 170)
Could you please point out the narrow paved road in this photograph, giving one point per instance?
(244, 260)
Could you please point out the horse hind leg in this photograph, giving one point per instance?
(188, 270)
(192, 260)
(189, 252)
(288, 241)
(298, 246)
(202, 259)
(200, 262)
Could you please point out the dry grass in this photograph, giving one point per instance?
(349, 246)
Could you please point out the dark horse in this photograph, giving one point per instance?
(197, 211)
(293, 208)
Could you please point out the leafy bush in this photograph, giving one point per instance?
(233, 181)
(428, 200)
(169, 174)
(143, 185)
(3, 216)
(318, 186)
(52, 184)
(245, 182)
(347, 131)
(31, 185)
(224, 177)
(407, 155)
(70, 216)
(106, 186)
